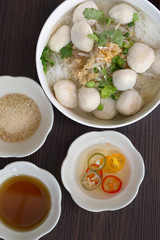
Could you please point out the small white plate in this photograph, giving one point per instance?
(29, 169)
(74, 163)
(30, 88)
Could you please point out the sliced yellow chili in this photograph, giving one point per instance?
(115, 162)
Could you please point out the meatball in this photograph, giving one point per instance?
(155, 67)
(124, 79)
(140, 57)
(66, 93)
(122, 13)
(109, 110)
(129, 102)
(78, 12)
(60, 38)
(79, 36)
(88, 99)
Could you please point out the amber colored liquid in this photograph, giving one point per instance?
(24, 202)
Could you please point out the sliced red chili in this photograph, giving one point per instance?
(111, 184)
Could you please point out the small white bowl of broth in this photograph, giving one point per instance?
(105, 169)
(26, 116)
(30, 201)
(98, 61)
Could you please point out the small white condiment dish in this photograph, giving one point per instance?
(73, 165)
(29, 169)
(29, 87)
(79, 116)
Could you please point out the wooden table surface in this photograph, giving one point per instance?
(20, 25)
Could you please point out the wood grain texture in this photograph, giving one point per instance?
(20, 25)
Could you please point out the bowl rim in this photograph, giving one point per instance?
(23, 167)
(67, 112)
(100, 135)
(39, 92)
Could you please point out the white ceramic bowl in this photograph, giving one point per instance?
(82, 117)
(73, 168)
(29, 169)
(30, 88)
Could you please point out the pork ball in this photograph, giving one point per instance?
(66, 93)
(60, 38)
(122, 13)
(155, 67)
(129, 102)
(124, 79)
(109, 110)
(78, 12)
(79, 36)
(140, 57)
(88, 99)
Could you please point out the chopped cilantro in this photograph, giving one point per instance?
(102, 83)
(66, 51)
(107, 91)
(95, 69)
(100, 107)
(104, 72)
(46, 58)
(128, 44)
(117, 63)
(135, 18)
(90, 84)
(93, 36)
(109, 80)
(92, 13)
(126, 34)
(125, 51)
(116, 95)
(115, 36)
(108, 21)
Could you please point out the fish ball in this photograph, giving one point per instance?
(60, 38)
(124, 79)
(155, 68)
(66, 93)
(109, 110)
(140, 57)
(129, 102)
(79, 36)
(78, 12)
(122, 13)
(88, 99)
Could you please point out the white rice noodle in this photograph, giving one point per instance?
(147, 31)
(83, 54)
(58, 72)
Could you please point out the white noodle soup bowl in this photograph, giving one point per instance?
(29, 169)
(79, 116)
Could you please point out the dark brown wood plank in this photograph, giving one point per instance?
(20, 25)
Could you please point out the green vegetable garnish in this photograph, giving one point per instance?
(95, 69)
(66, 51)
(114, 35)
(107, 91)
(90, 84)
(92, 13)
(94, 36)
(126, 34)
(100, 107)
(46, 58)
(116, 95)
(117, 63)
(125, 51)
(102, 83)
(135, 18)
(108, 21)
(128, 44)
(104, 72)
